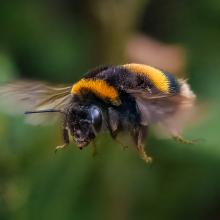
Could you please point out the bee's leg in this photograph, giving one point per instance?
(113, 125)
(143, 154)
(138, 135)
(94, 151)
(65, 139)
(180, 139)
(114, 136)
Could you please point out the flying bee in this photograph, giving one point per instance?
(125, 99)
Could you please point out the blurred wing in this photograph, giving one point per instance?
(22, 96)
(155, 107)
(171, 111)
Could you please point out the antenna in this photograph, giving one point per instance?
(43, 111)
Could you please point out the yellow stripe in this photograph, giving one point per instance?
(158, 78)
(99, 87)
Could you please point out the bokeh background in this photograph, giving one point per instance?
(59, 41)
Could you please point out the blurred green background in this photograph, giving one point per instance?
(59, 41)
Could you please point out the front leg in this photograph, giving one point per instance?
(66, 140)
(114, 136)
(139, 134)
(113, 123)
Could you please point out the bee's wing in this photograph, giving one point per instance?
(171, 111)
(23, 96)
(153, 107)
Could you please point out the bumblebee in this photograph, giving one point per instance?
(125, 99)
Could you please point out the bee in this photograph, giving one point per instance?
(125, 99)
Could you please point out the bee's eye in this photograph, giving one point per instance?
(96, 117)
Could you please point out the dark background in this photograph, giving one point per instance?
(59, 41)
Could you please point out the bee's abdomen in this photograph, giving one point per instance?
(139, 76)
(163, 81)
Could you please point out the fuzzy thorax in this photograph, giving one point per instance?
(98, 87)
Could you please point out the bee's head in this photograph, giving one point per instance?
(84, 122)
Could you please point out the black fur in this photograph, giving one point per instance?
(122, 79)
(174, 86)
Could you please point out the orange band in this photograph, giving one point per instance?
(99, 87)
(157, 77)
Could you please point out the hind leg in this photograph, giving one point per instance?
(139, 134)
